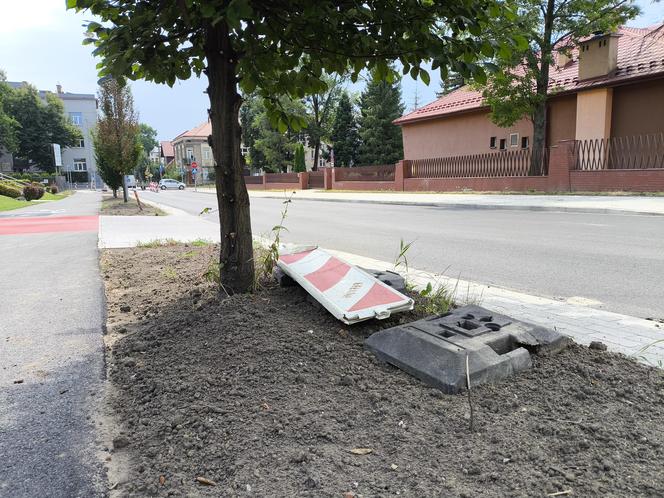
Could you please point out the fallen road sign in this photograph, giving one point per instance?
(352, 295)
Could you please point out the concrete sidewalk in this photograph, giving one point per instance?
(621, 333)
(130, 231)
(619, 204)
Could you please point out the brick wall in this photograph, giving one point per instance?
(642, 180)
(561, 178)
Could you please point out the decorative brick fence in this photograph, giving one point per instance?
(635, 164)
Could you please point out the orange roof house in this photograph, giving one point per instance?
(192, 146)
(611, 86)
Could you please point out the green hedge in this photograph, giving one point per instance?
(33, 192)
(10, 190)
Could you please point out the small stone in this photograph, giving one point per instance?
(311, 483)
(120, 442)
(18, 381)
(345, 380)
(125, 308)
(598, 346)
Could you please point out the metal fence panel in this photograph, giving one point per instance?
(635, 152)
(509, 163)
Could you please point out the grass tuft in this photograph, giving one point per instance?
(157, 243)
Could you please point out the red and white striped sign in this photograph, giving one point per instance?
(349, 293)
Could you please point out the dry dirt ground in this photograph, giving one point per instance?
(265, 395)
(115, 206)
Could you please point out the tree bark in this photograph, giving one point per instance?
(316, 154)
(125, 196)
(236, 264)
(542, 89)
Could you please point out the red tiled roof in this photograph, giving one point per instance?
(200, 131)
(640, 53)
(167, 149)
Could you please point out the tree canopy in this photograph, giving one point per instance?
(8, 125)
(38, 124)
(276, 49)
(521, 86)
(116, 138)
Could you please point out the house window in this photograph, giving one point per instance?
(206, 154)
(80, 165)
(190, 154)
(76, 118)
(492, 143)
(80, 143)
(503, 144)
(525, 142)
(514, 139)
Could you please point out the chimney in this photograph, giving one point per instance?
(598, 56)
(58, 87)
(563, 59)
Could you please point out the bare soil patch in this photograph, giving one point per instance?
(115, 206)
(266, 395)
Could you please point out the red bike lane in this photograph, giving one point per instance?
(48, 224)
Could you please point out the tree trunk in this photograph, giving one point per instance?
(236, 264)
(542, 90)
(316, 155)
(115, 193)
(125, 197)
(539, 139)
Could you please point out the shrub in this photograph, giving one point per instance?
(54, 189)
(9, 190)
(33, 192)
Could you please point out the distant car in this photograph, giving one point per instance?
(168, 183)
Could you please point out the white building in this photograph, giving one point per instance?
(81, 110)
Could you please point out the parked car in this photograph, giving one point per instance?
(168, 183)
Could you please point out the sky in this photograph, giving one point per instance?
(40, 42)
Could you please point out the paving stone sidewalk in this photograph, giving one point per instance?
(625, 334)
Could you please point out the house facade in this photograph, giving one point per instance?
(192, 146)
(81, 109)
(611, 86)
(166, 153)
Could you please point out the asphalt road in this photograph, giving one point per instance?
(51, 356)
(614, 260)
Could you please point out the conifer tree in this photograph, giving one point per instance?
(299, 165)
(345, 137)
(380, 105)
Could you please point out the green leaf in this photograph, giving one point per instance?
(425, 77)
(486, 49)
